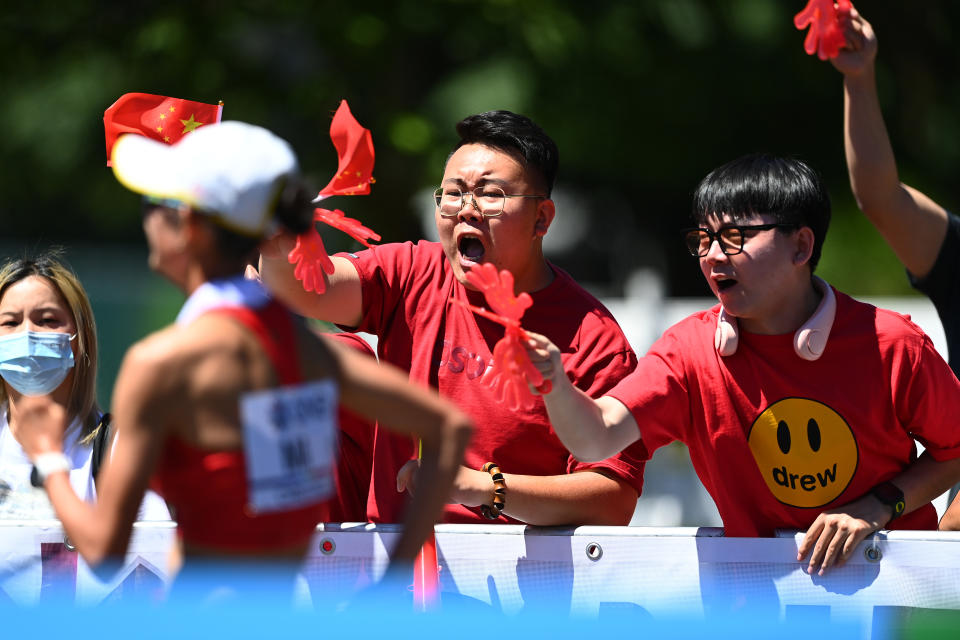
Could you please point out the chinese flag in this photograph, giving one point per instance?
(162, 118)
(354, 146)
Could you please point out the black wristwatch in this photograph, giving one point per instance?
(890, 495)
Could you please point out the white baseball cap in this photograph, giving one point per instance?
(232, 171)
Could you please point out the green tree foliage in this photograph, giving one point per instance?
(643, 97)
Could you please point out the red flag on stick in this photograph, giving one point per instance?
(355, 158)
(161, 118)
(355, 155)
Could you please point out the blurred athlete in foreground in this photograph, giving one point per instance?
(229, 412)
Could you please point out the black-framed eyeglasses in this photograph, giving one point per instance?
(730, 237)
(488, 200)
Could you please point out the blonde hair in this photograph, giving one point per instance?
(50, 265)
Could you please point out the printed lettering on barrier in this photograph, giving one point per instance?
(290, 445)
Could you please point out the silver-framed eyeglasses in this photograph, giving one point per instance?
(730, 237)
(488, 200)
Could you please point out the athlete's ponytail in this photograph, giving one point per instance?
(294, 212)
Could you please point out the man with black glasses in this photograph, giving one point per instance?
(493, 206)
(799, 404)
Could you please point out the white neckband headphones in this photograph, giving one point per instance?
(810, 340)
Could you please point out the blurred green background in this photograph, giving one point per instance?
(643, 97)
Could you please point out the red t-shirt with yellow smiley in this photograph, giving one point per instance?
(777, 439)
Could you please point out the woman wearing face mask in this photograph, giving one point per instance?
(230, 412)
(48, 347)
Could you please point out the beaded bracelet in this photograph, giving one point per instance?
(499, 492)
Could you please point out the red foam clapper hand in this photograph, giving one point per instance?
(497, 288)
(311, 259)
(355, 155)
(352, 227)
(825, 37)
(510, 372)
(511, 369)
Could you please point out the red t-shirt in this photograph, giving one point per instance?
(406, 293)
(777, 439)
(355, 453)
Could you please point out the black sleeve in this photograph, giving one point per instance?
(942, 286)
(101, 442)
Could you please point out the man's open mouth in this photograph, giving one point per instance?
(726, 283)
(471, 248)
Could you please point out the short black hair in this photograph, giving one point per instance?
(786, 189)
(517, 135)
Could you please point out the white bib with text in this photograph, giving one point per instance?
(290, 438)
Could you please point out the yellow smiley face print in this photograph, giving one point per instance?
(805, 451)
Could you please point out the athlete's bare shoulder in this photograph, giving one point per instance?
(149, 383)
(172, 357)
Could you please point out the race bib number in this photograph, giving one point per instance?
(290, 437)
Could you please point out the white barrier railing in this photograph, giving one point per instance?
(587, 571)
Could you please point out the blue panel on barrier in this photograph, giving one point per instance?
(540, 582)
(254, 619)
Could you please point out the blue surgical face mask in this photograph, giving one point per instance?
(35, 362)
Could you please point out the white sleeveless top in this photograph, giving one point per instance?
(19, 500)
